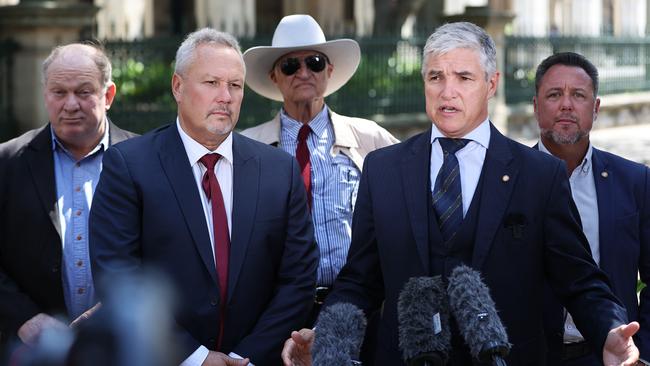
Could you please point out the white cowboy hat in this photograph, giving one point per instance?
(300, 32)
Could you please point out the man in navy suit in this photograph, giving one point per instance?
(462, 193)
(223, 216)
(612, 195)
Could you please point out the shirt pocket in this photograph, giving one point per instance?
(348, 186)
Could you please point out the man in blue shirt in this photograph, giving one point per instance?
(48, 179)
(612, 195)
(300, 69)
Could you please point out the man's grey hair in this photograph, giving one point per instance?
(462, 35)
(96, 53)
(187, 50)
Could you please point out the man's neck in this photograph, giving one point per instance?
(572, 154)
(304, 111)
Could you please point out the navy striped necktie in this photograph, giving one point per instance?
(447, 192)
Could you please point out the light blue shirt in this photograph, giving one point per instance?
(75, 186)
(583, 191)
(470, 159)
(334, 182)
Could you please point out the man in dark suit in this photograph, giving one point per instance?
(48, 178)
(612, 195)
(234, 237)
(509, 216)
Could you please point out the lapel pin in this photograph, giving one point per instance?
(604, 174)
(505, 178)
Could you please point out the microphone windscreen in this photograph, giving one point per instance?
(339, 335)
(476, 315)
(423, 318)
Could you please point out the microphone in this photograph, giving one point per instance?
(339, 334)
(479, 324)
(423, 318)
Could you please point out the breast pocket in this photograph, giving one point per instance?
(348, 186)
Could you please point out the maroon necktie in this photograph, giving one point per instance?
(220, 228)
(302, 155)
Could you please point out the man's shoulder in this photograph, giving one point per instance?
(16, 145)
(135, 142)
(253, 146)
(362, 127)
(267, 132)
(618, 162)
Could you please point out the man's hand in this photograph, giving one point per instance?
(219, 359)
(32, 329)
(619, 349)
(297, 349)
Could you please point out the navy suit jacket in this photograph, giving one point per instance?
(390, 244)
(623, 194)
(30, 240)
(147, 212)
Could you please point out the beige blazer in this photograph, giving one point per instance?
(354, 137)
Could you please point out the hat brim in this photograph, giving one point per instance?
(344, 54)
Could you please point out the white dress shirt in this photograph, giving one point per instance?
(224, 173)
(583, 190)
(470, 159)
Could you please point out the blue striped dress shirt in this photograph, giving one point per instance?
(335, 181)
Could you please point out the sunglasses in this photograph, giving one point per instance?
(315, 63)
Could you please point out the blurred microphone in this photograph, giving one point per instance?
(423, 318)
(339, 334)
(476, 315)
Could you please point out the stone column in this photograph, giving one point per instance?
(493, 19)
(37, 27)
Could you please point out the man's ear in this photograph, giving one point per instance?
(111, 89)
(177, 87)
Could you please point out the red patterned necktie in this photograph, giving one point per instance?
(220, 229)
(302, 155)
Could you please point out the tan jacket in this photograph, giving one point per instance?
(354, 137)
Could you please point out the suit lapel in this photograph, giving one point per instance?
(40, 160)
(246, 178)
(173, 159)
(415, 177)
(495, 194)
(606, 214)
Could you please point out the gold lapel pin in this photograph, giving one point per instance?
(505, 178)
(604, 174)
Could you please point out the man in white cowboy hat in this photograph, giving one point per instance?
(300, 69)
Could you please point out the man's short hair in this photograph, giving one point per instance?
(98, 55)
(567, 59)
(186, 51)
(462, 35)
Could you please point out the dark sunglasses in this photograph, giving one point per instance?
(315, 63)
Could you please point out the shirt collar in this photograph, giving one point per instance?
(102, 145)
(480, 134)
(195, 150)
(318, 124)
(585, 166)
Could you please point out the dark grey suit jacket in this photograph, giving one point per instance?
(30, 241)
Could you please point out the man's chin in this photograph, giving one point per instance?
(220, 128)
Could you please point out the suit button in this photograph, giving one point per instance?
(214, 302)
(55, 269)
(212, 341)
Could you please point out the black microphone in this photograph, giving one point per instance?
(423, 318)
(479, 324)
(339, 334)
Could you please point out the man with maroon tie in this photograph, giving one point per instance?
(224, 217)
